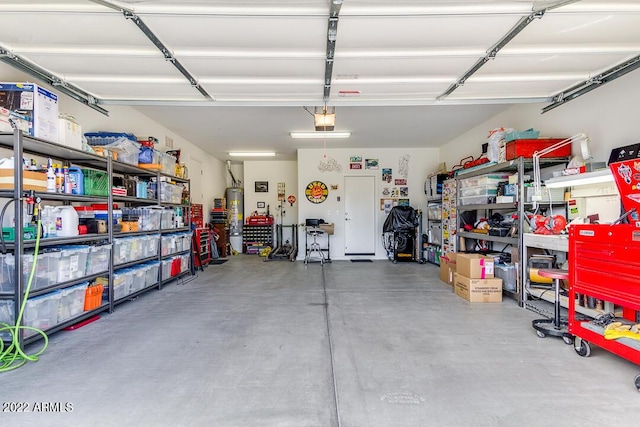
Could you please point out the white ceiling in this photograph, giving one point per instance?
(263, 61)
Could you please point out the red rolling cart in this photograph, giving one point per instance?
(604, 264)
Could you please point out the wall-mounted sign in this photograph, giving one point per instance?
(281, 192)
(316, 192)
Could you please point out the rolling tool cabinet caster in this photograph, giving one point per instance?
(568, 340)
(637, 381)
(583, 348)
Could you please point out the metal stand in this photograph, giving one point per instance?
(554, 327)
(314, 251)
(284, 251)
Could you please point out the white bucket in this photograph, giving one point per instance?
(66, 221)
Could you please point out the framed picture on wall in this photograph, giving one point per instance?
(262, 186)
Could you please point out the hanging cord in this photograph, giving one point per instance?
(14, 356)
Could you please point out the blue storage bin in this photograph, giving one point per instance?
(525, 134)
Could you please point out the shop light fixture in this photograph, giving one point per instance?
(320, 135)
(324, 118)
(252, 154)
(595, 177)
(584, 144)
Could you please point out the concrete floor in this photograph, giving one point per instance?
(246, 344)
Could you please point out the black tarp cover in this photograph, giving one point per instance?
(401, 218)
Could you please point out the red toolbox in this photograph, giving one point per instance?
(526, 148)
(604, 264)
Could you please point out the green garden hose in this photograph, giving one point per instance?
(13, 356)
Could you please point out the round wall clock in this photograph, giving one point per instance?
(316, 192)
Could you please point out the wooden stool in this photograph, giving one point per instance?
(554, 327)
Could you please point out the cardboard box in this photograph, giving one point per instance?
(475, 266)
(31, 108)
(478, 290)
(36, 181)
(448, 267)
(69, 134)
(444, 269)
(327, 228)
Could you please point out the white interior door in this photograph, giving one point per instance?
(359, 215)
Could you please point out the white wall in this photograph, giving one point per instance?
(212, 173)
(273, 172)
(608, 115)
(423, 161)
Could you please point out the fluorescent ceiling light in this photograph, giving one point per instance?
(596, 177)
(320, 135)
(252, 154)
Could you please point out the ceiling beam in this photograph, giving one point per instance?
(164, 50)
(593, 83)
(46, 76)
(332, 32)
(522, 23)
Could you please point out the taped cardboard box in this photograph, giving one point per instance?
(36, 181)
(478, 290)
(448, 267)
(475, 266)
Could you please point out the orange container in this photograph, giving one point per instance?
(93, 297)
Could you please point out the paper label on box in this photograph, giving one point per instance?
(73, 263)
(123, 252)
(26, 100)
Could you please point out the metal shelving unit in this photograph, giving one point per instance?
(22, 144)
(519, 166)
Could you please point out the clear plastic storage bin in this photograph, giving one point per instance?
(98, 260)
(166, 268)
(151, 277)
(478, 191)
(42, 312)
(475, 200)
(138, 277)
(153, 244)
(166, 221)
(73, 262)
(119, 290)
(168, 163)
(6, 273)
(184, 263)
(121, 250)
(169, 244)
(46, 273)
(137, 249)
(150, 218)
(71, 302)
(483, 180)
(6, 316)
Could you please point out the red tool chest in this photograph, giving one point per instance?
(526, 148)
(604, 264)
